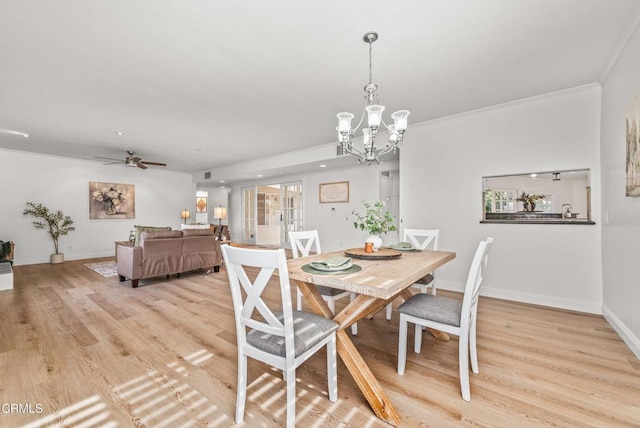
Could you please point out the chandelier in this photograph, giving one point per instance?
(346, 135)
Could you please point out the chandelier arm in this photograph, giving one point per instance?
(364, 112)
(352, 150)
(384, 151)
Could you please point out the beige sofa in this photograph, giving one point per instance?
(168, 252)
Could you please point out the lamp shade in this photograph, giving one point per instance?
(185, 214)
(219, 213)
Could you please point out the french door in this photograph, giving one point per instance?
(269, 212)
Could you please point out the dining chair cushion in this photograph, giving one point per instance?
(308, 329)
(425, 279)
(328, 291)
(436, 308)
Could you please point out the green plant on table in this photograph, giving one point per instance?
(374, 220)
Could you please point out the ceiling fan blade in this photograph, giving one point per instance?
(112, 163)
(154, 163)
(140, 165)
(104, 158)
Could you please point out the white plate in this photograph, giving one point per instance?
(393, 247)
(324, 268)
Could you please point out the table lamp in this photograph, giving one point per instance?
(219, 213)
(185, 214)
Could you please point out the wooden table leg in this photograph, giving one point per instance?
(366, 381)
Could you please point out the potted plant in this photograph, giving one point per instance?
(374, 221)
(57, 224)
(529, 201)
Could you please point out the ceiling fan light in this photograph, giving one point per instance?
(131, 162)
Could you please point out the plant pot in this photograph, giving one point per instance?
(57, 258)
(376, 241)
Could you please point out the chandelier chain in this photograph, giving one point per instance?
(370, 62)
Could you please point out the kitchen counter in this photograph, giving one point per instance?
(525, 217)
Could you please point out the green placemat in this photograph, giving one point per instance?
(353, 269)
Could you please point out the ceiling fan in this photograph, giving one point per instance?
(133, 160)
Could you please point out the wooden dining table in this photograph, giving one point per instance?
(379, 282)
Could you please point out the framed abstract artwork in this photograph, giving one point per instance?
(334, 192)
(201, 204)
(633, 147)
(111, 201)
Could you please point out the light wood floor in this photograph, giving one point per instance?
(94, 352)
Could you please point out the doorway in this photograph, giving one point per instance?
(270, 212)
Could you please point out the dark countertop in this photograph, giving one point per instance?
(525, 217)
(577, 221)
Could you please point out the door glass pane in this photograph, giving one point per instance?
(249, 214)
(291, 209)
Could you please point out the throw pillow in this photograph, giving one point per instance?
(140, 229)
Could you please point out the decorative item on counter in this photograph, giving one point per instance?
(368, 247)
(374, 221)
(529, 201)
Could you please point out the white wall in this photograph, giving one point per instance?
(441, 168)
(333, 221)
(621, 229)
(63, 184)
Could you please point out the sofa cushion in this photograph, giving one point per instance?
(197, 232)
(158, 234)
(140, 229)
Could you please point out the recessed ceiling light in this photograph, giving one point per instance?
(260, 175)
(119, 133)
(222, 187)
(323, 166)
(534, 175)
(221, 181)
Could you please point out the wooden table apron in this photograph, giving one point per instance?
(378, 283)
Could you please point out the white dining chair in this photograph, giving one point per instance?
(421, 239)
(302, 243)
(284, 338)
(453, 316)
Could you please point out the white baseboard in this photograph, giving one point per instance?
(67, 256)
(534, 299)
(627, 336)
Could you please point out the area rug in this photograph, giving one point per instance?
(106, 269)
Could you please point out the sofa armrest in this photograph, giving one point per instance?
(130, 261)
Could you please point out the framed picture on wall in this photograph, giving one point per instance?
(111, 200)
(334, 192)
(633, 147)
(201, 204)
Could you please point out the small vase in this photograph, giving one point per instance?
(110, 207)
(376, 241)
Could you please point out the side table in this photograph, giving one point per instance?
(125, 243)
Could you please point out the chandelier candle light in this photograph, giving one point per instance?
(346, 134)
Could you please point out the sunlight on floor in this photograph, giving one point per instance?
(83, 414)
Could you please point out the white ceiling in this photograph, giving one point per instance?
(206, 84)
